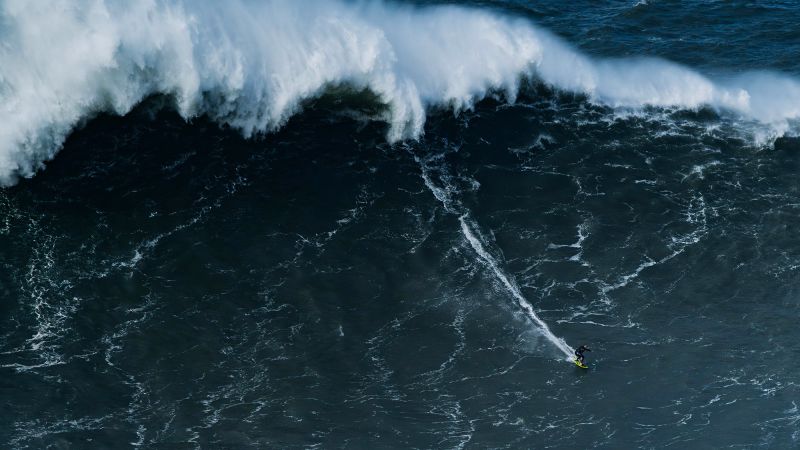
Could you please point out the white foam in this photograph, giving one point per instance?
(252, 64)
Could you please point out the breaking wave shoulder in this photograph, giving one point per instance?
(251, 65)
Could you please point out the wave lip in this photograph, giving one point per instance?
(251, 65)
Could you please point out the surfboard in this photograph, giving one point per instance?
(582, 366)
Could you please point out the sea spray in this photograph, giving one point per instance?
(251, 65)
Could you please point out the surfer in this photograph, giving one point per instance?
(579, 353)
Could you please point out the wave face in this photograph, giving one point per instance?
(250, 65)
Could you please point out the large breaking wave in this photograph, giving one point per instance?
(251, 64)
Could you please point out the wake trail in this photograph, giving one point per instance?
(512, 287)
(471, 233)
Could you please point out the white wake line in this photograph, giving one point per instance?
(487, 258)
(443, 196)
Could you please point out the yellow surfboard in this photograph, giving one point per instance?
(582, 366)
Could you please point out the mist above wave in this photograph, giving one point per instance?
(251, 64)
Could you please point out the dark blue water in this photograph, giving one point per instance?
(171, 283)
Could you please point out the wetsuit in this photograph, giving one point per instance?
(579, 352)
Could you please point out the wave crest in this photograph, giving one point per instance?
(251, 65)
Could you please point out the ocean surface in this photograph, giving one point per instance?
(332, 224)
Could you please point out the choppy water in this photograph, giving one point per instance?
(378, 271)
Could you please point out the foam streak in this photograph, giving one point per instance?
(512, 287)
(469, 229)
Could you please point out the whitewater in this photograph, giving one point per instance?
(279, 225)
(251, 65)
